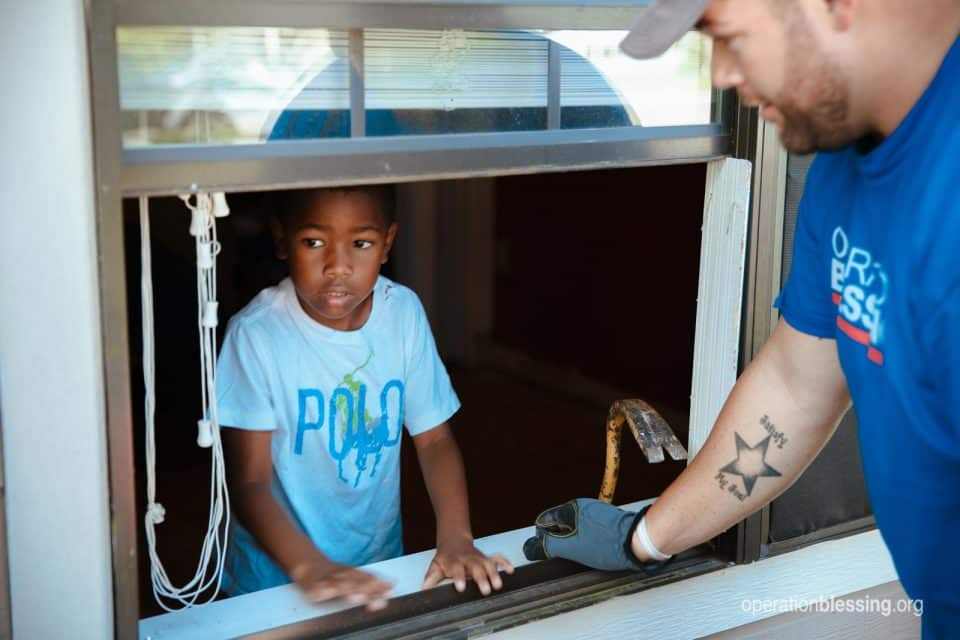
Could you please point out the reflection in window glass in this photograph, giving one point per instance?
(226, 85)
(673, 89)
(186, 85)
(454, 81)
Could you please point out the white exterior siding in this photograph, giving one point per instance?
(51, 378)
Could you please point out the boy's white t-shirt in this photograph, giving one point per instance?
(336, 475)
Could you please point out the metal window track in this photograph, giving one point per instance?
(167, 170)
(534, 592)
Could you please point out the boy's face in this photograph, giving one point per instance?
(334, 247)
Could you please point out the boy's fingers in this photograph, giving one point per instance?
(377, 604)
(375, 597)
(479, 573)
(376, 587)
(356, 598)
(321, 594)
(355, 587)
(433, 577)
(491, 568)
(459, 577)
(367, 593)
(365, 585)
(502, 562)
(329, 589)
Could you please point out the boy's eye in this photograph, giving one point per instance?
(313, 243)
(362, 244)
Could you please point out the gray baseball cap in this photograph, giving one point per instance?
(662, 23)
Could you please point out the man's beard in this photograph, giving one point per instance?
(822, 126)
(815, 101)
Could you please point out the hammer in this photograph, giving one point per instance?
(651, 431)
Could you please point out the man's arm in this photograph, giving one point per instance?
(780, 414)
(444, 475)
(250, 478)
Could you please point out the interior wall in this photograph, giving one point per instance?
(553, 295)
(444, 252)
(599, 270)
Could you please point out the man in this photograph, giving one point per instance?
(871, 311)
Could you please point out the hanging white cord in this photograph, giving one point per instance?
(207, 576)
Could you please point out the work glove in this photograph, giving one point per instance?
(587, 531)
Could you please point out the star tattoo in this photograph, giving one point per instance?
(751, 463)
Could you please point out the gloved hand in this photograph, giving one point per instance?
(587, 531)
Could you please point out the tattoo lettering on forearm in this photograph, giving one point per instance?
(729, 487)
(750, 464)
(771, 428)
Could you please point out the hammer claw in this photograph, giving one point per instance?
(649, 429)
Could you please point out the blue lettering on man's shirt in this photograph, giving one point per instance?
(366, 437)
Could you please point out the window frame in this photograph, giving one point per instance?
(720, 279)
(754, 138)
(168, 170)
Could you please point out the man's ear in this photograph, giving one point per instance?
(279, 238)
(388, 242)
(842, 13)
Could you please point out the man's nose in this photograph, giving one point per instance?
(724, 69)
(338, 262)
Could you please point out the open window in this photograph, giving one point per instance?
(571, 219)
(543, 315)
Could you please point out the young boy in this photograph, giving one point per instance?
(316, 379)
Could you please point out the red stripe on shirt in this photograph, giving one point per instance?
(859, 335)
(853, 332)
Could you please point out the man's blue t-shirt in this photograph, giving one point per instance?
(336, 402)
(877, 267)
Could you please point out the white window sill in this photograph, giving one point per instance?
(690, 608)
(284, 605)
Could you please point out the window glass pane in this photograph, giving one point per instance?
(454, 81)
(224, 85)
(189, 85)
(602, 86)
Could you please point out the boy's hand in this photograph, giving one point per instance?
(321, 581)
(460, 560)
